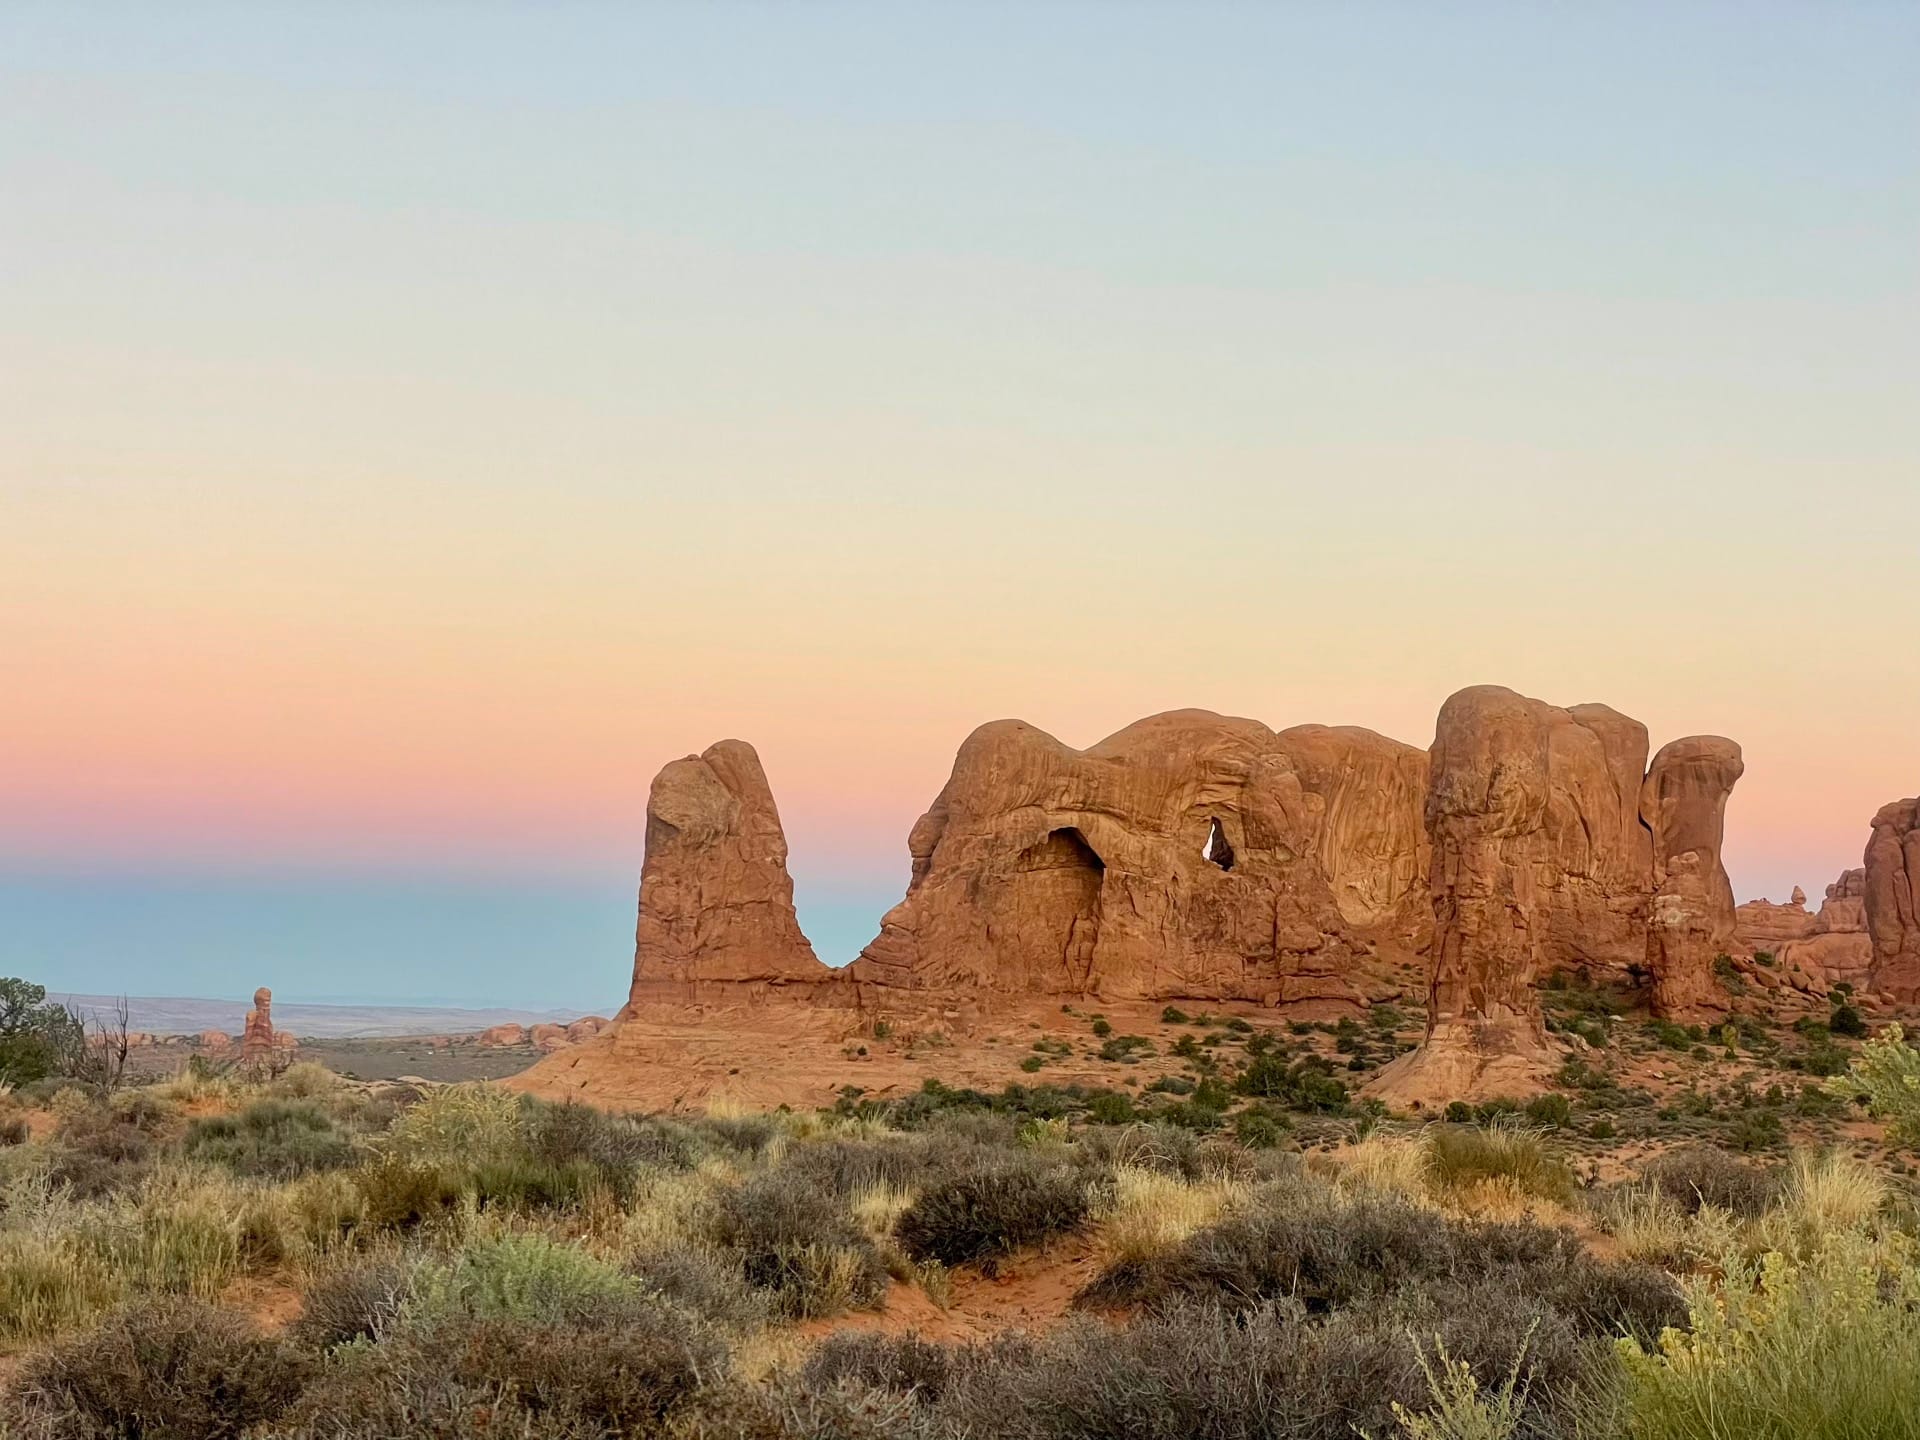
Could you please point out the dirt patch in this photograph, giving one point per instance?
(269, 1301)
(1032, 1292)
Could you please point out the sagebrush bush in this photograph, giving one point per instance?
(1328, 1252)
(271, 1140)
(1701, 1175)
(359, 1301)
(163, 1369)
(705, 1282)
(519, 1277)
(990, 1213)
(621, 1372)
(799, 1245)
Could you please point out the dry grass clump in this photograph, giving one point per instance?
(1148, 1211)
(1495, 1172)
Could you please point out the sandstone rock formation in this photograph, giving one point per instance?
(257, 1040)
(1684, 806)
(214, 1042)
(1812, 952)
(1552, 850)
(716, 902)
(585, 1028)
(1189, 855)
(1892, 901)
(503, 1035)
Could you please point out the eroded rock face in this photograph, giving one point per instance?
(1684, 806)
(1891, 896)
(1487, 819)
(257, 1040)
(1189, 855)
(716, 902)
(1552, 849)
(1812, 951)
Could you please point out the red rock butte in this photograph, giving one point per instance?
(1200, 857)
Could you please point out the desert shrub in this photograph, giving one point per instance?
(1328, 1252)
(1303, 1084)
(521, 1182)
(1461, 1155)
(902, 1364)
(460, 1126)
(799, 1245)
(97, 1152)
(1886, 1079)
(1195, 1371)
(1111, 1107)
(704, 1282)
(615, 1145)
(164, 1369)
(271, 1139)
(1786, 1349)
(846, 1167)
(788, 1409)
(357, 1302)
(1549, 1109)
(990, 1213)
(746, 1134)
(519, 1277)
(399, 1194)
(304, 1080)
(1700, 1175)
(467, 1378)
(1848, 1021)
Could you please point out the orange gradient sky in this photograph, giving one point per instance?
(415, 430)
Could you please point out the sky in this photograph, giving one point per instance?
(420, 423)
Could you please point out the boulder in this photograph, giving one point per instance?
(1190, 855)
(1891, 896)
(716, 902)
(547, 1037)
(503, 1035)
(585, 1028)
(1684, 806)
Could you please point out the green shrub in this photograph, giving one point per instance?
(1550, 1110)
(164, 1369)
(1102, 1027)
(1848, 1021)
(398, 1194)
(1173, 1016)
(1304, 1084)
(702, 1282)
(271, 1140)
(992, 1212)
(1886, 1079)
(1787, 1350)
(1111, 1107)
(527, 1278)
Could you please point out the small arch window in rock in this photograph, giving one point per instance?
(1217, 849)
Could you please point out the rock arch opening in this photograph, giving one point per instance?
(1217, 851)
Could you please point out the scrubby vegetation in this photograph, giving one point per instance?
(1253, 1253)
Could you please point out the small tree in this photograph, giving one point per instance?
(1886, 1076)
(35, 1037)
